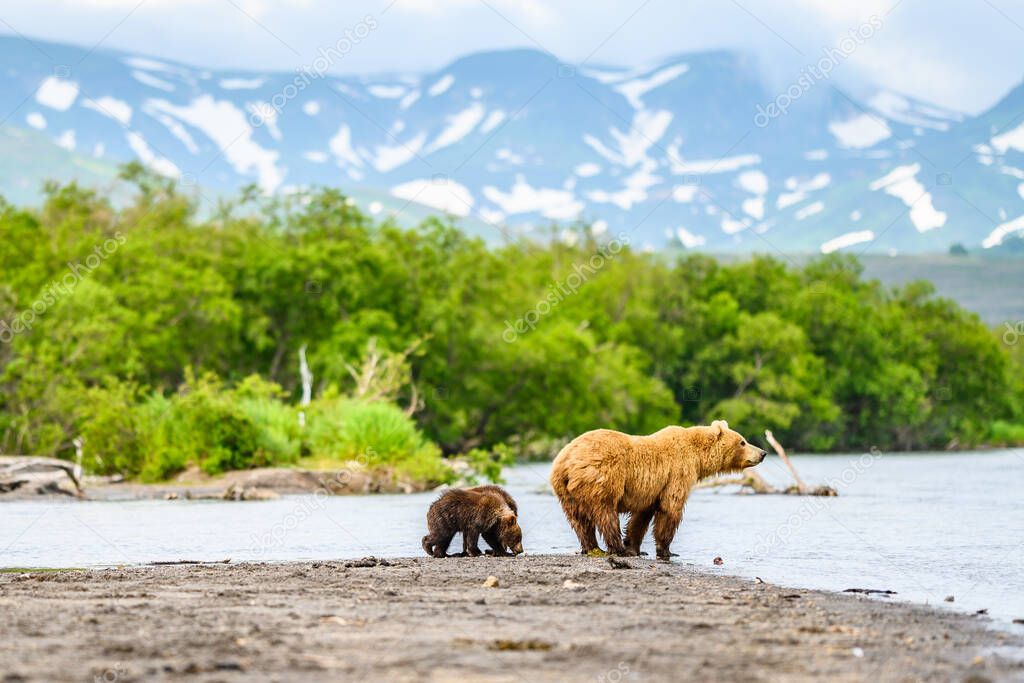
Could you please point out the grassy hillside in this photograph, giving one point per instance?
(29, 159)
(991, 287)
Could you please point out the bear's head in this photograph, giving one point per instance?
(509, 533)
(731, 452)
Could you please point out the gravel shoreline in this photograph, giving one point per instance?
(550, 618)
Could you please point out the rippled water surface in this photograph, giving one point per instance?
(927, 526)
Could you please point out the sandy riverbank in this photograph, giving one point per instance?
(424, 619)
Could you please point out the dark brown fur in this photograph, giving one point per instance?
(473, 513)
(498, 491)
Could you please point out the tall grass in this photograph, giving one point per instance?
(375, 435)
(219, 429)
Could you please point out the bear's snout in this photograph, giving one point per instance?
(754, 456)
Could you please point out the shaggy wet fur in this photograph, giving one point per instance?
(603, 473)
(500, 492)
(473, 513)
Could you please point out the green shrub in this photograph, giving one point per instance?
(375, 435)
(1007, 434)
(488, 464)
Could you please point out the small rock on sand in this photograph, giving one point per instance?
(573, 585)
(491, 582)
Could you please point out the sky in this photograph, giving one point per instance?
(962, 54)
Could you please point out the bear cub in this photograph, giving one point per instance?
(487, 511)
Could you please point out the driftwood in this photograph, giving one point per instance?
(17, 471)
(800, 485)
(751, 481)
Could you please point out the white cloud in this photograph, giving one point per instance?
(534, 12)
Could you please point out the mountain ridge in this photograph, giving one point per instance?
(672, 153)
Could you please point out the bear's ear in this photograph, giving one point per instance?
(719, 426)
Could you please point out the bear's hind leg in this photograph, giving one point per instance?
(608, 525)
(637, 528)
(582, 525)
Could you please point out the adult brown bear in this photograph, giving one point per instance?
(603, 473)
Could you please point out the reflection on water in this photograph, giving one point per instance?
(927, 526)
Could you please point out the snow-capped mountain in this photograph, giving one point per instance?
(694, 152)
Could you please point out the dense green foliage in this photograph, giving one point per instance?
(177, 341)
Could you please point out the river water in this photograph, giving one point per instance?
(925, 525)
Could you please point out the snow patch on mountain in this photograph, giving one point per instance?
(176, 129)
(459, 126)
(442, 194)
(847, 240)
(634, 90)
(149, 158)
(390, 157)
(731, 226)
(1012, 139)
(817, 182)
(36, 120)
(809, 210)
(634, 191)
(523, 198)
(147, 64)
(57, 93)
(508, 156)
(228, 127)
(859, 132)
(111, 107)
(1001, 232)
(902, 184)
(709, 166)
(387, 92)
(441, 85)
(66, 140)
(754, 207)
(152, 81)
(898, 108)
(631, 146)
(409, 100)
(754, 182)
(494, 119)
(684, 194)
(688, 239)
(241, 83)
(342, 149)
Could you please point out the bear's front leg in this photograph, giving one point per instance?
(497, 549)
(665, 524)
(470, 540)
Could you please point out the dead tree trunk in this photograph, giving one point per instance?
(19, 470)
(800, 485)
